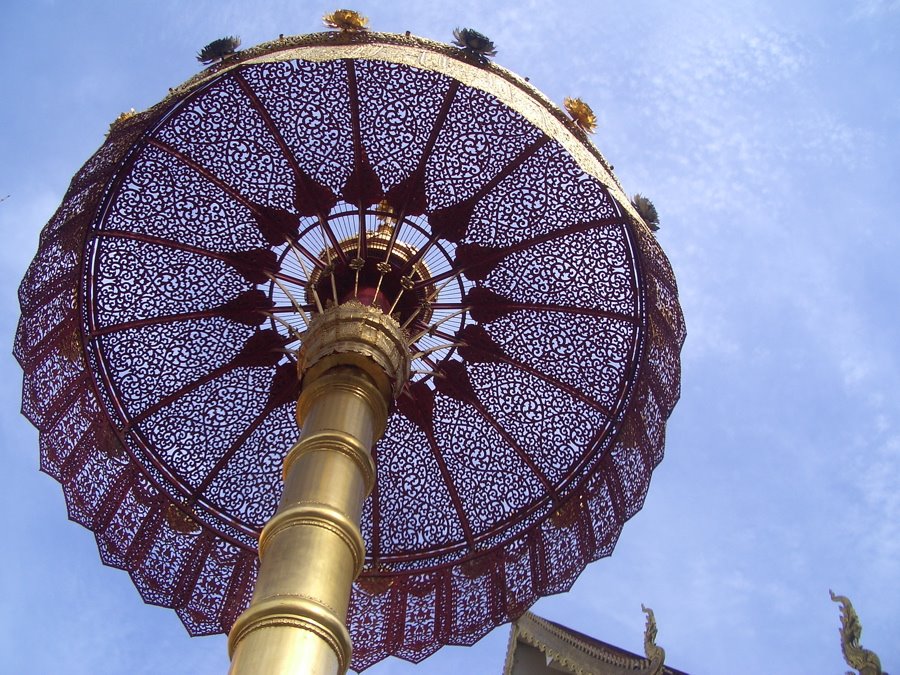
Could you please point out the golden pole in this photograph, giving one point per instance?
(354, 359)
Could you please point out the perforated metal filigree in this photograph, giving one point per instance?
(162, 313)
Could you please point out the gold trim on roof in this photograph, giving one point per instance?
(565, 649)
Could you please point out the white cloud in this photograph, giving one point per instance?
(821, 138)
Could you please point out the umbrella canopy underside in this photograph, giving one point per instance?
(163, 311)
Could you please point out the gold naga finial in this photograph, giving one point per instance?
(346, 20)
(864, 660)
(581, 113)
(655, 654)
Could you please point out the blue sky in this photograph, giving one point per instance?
(768, 137)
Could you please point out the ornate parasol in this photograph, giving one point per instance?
(418, 241)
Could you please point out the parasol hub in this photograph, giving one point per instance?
(378, 270)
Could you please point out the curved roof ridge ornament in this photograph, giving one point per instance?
(864, 660)
(655, 654)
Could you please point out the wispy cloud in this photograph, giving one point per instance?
(868, 9)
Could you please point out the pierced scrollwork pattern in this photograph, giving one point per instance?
(585, 353)
(250, 473)
(154, 369)
(136, 280)
(398, 110)
(419, 514)
(161, 316)
(477, 142)
(582, 270)
(209, 217)
(226, 140)
(549, 192)
(491, 478)
(292, 94)
(549, 424)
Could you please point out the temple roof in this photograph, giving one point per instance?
(538, 646)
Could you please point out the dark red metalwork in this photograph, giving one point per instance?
(163, 387)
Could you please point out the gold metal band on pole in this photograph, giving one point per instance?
(317, 515)
(297, 613)
(336, 441)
